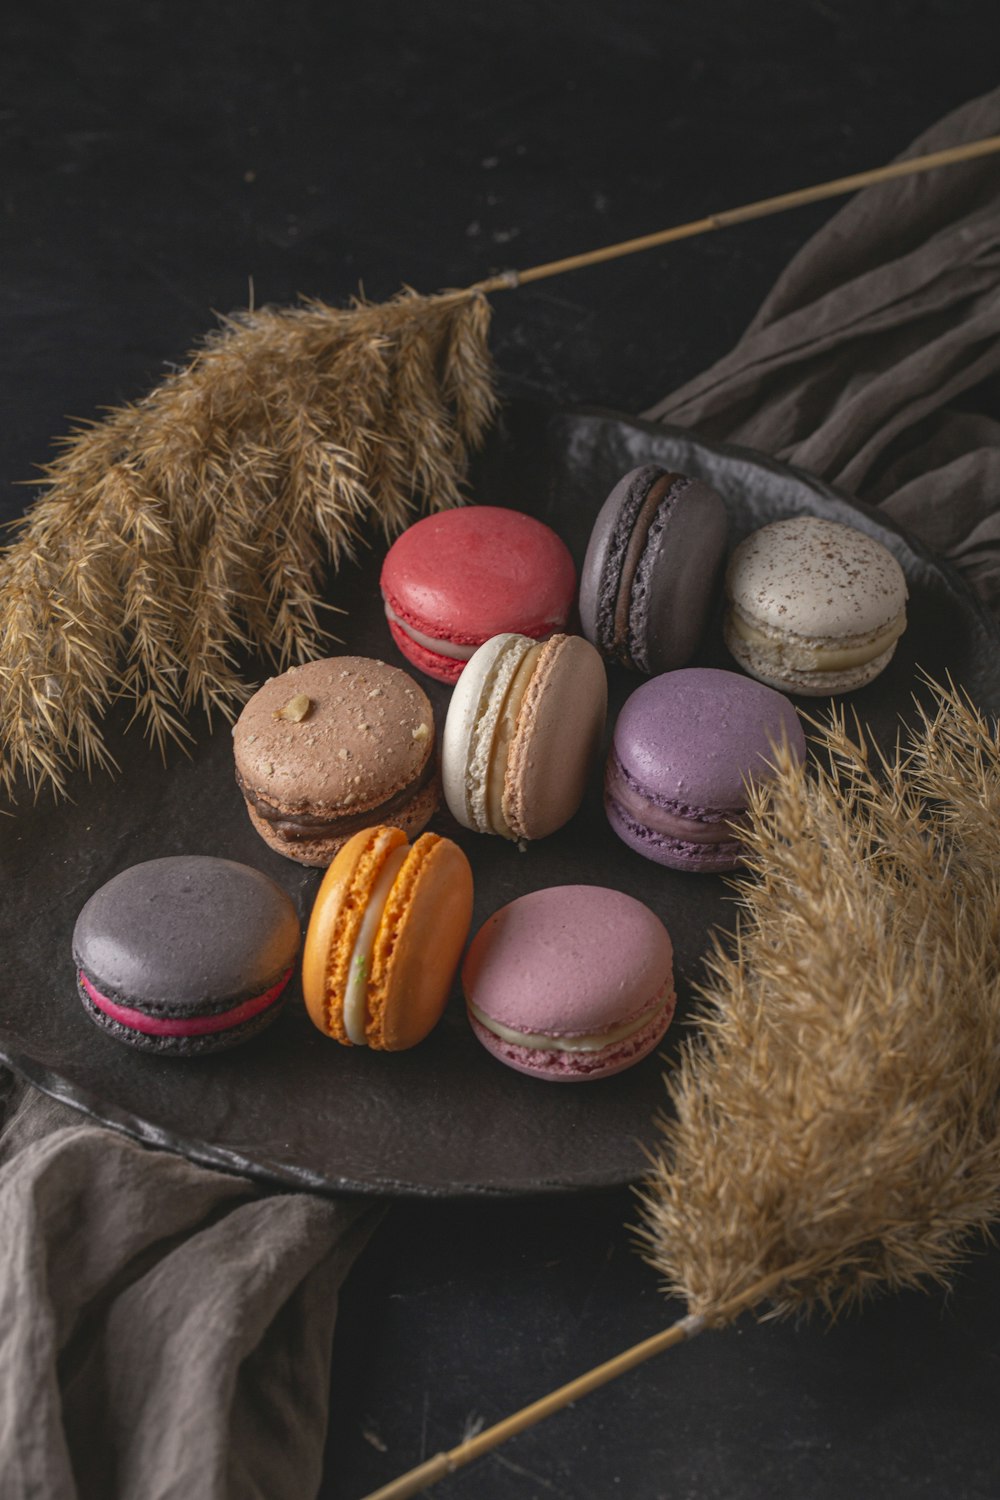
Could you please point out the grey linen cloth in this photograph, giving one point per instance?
(165, 1330)
(875, 359)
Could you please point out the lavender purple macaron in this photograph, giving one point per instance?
(685, 747)
(653, 564)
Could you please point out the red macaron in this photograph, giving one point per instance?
(455, 579)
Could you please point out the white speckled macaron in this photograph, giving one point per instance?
(813, 607)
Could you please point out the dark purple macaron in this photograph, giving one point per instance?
(185, 955)
(652, 568)
(685, 746)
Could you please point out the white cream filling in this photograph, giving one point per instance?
(430, 642)
(537, 1042)
(493, 690)
(819, 658)
(356, 990)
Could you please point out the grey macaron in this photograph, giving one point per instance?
(185, 954)
(652, 567)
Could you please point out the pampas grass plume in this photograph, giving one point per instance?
(836, 1124)
(195, 525)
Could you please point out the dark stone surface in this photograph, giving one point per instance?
(156, 158)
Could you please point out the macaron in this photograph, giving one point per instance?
(453, 580)
(814, 607)
(331, 747)
(570, 983)
(523, 730)
(185, 955)
(652, 569)
(385, 936)
(686, 747)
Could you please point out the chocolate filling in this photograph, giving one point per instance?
(302, 827)
(655, 496)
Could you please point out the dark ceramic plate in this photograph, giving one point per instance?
(296, 1110)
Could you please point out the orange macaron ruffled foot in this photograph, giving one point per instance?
(386, 933)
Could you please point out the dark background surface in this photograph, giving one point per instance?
(156, 158)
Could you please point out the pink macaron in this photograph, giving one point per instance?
(570, 983)
(454, 579)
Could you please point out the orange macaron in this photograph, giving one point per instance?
(385, 936)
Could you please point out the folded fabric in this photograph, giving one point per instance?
(875, 360)
(165, 1330)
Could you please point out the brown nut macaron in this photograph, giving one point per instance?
(331, 747)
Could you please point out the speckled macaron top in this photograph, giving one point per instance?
(342, 733)
(817, 579)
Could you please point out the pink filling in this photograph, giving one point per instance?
(196, 1026)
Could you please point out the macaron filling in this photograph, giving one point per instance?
(355, 1010)
(639, 584)
(599, 1041)
(453, 650)
(301, 826)
(503, 736)
(149, 1025)
(801, 654)
(672, 820)
(501, 697)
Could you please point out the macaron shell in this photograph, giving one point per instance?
(677, 579)
(335, 922)
(442, 668)
(367, 735)
(468, 574)
(419, 943)
(692, 737)
(578, 1067)
(186, 934)
(185, 955)
(816, 579)
(675, 563)
(600, 571)
(557, 739)
(568, 960)
(475, 706)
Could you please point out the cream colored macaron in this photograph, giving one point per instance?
(523, 730)
(814, 607)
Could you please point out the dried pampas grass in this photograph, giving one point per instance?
(198, 523)
(837, 1126)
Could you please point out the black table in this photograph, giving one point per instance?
(158, 159)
